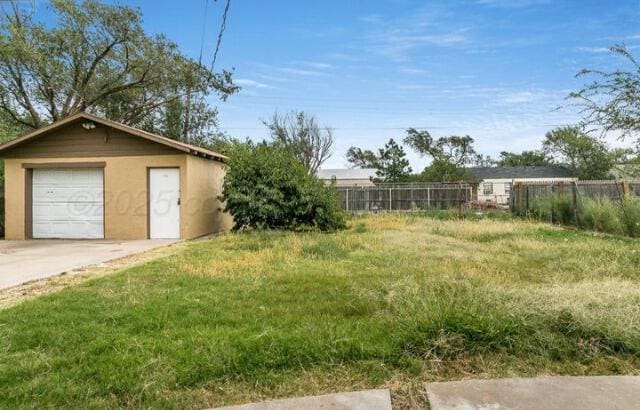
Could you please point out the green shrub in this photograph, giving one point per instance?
(630, 216)
(267, 188)
(601, 214)
(554, 208)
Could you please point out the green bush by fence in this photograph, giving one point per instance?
(554, 208)
(603, 206)
(631, 216)
(600, 214)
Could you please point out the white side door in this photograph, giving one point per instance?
(68, 203)
(164, 203)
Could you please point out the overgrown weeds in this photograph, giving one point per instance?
(393, 301)
(600, 214)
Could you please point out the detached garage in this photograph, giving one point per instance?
(90, 178)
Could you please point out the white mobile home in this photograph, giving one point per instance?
(495, 183)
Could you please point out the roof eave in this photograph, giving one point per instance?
(108, 123)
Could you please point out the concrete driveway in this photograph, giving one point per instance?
(552, 392)
(25, 261)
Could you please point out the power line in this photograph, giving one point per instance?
(204, 27)
(223, 26)
(390, 128)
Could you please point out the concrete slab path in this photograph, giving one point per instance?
(26, 261)
(359, 400)
(561, 392)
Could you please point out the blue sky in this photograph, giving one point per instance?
(494, 69)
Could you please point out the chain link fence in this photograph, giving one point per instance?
(405, 197)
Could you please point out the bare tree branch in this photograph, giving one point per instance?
(300, 133)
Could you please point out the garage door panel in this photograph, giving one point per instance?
(80, 176)
(67, 212)
(70, 230)
(44, 177)
(68, 203)
(84, 211)
(67, 193)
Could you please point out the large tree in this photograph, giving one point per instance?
(96, 57)
(611, 99)
(585, 155)
(301, 134)
(360, 158)
(393, 166)
(523, 159)
(390, 161)
(449, 155)
(457, 150)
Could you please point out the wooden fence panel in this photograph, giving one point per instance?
(524, 193)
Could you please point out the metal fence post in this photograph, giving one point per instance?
(347, 199)
(574, 199)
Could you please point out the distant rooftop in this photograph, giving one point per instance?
(481, 173)
(347, 173)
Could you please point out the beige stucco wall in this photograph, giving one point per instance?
(203, 210)
(126, 206)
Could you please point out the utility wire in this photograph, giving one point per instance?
(223, 26)
(393, 128)
(204, 29)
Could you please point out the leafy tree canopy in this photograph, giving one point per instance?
(390, 161)
(444, 171)
(453, 149)
(449, 155)
(482, 160)
(362, 158)
(393, 166)
(586, 156)
(96, 57)
(523, 159)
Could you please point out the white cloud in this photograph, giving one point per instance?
(370, 18)
(303, 72)
(593, 49)
(432, 26)
(398, 44)
(512, 3)
(413, 87)
(245, 82)
(317, 65)
(413, 71)
(518, 97)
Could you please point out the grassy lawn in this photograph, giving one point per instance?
(392, 302)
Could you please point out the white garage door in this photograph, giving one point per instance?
(68, 203)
